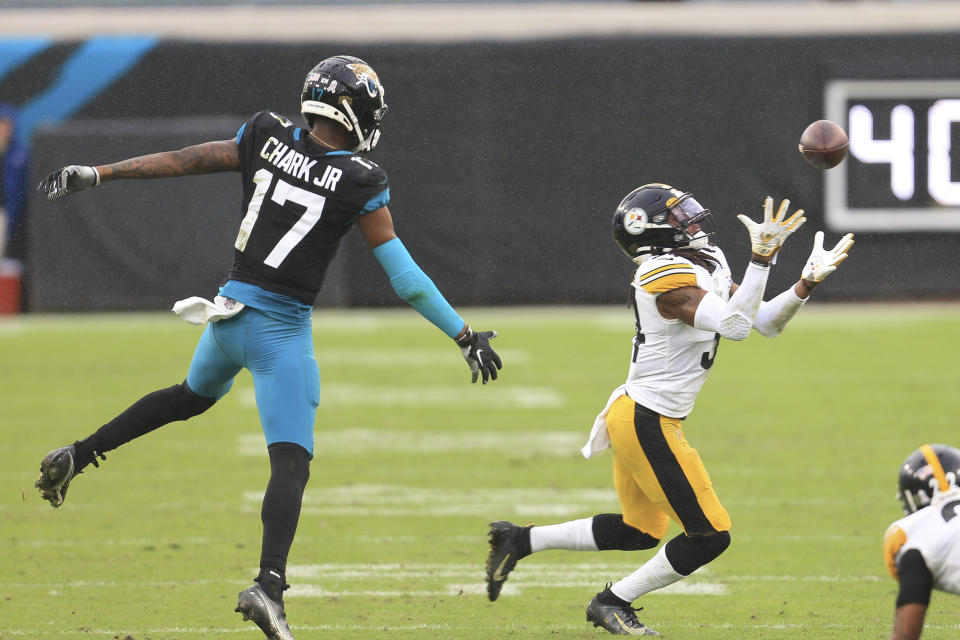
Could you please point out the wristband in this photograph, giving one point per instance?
(464, 340)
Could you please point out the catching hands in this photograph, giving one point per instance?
(822, 262)
(69, 180)
(768, 236)
(476, 349)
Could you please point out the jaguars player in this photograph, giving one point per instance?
(684, 300)
(922, 550)
(303, 189)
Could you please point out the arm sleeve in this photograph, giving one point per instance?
(734, 318)
(773, 316)
(916, 581)
(412, 284)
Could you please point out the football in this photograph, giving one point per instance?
(823, 144)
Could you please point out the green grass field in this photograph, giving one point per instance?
(802, 436)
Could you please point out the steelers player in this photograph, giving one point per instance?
(684, 300)
(922, 550)
(303, 189)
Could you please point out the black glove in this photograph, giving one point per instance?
(478, 353)
(69, 180)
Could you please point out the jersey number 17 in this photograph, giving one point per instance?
(282, 194)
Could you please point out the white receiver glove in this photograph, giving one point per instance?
(822, 262)
(767, 236)
(69, 180)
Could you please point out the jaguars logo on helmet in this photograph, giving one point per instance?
(656, 218)
(346, 89)
(928, 472)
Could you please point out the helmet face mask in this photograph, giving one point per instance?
(927, 474)
(346, 90)
(656, 219)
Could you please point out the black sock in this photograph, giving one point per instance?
(608, 597)
(151, 411)
(523, 544)
(289, 472)
(611, 532)
(273, 581)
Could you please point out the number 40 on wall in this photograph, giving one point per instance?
(899, 149)
(902, 173)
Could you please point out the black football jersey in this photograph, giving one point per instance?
(299, 199)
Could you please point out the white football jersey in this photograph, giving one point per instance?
(935, 532)
(670, 359)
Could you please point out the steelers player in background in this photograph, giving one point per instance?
(684, 300)
(303, 189)
(922, 550)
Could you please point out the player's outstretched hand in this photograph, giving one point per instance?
(767, 237)
(823, 262)
(480, 356)
(69, 180)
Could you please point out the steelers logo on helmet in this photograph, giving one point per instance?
(635, 221)
(672, 220)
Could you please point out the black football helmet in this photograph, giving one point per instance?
(346, 89)
(931, 470)
(656, 218)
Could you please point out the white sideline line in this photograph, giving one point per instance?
(427, 396)
(360, 440)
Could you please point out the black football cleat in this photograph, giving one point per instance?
(268, 614)
(56, 472)
(617, 619)
(504, 553)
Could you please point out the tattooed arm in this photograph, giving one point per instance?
(680, 303)
(731, 318)
(209, 157)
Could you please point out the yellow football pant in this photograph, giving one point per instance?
(658, 475)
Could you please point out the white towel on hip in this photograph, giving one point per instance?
(197, 310)
(599, 439)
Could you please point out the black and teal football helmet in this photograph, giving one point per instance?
(347, 90)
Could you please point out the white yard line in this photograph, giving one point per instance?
(366, 440)
(427, 397)
(397, 500)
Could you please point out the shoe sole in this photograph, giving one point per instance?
(494, 586)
